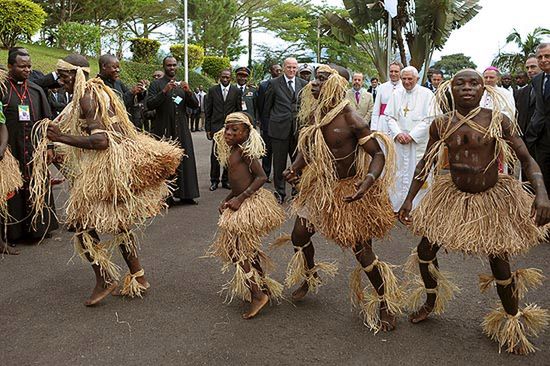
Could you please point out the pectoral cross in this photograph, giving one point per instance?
(406, 110)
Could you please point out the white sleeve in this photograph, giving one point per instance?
(392, 114)
(374, 125)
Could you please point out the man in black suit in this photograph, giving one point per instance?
(221, 100)
(525, 96)
(281, 108)
(274, 70)
(538, 132)
(372, 87)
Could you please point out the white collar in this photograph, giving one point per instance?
(412, 90)
(287, 79)
(225, 87)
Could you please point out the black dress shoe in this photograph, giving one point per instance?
(226, 185)
(188, 201)
(213, 186)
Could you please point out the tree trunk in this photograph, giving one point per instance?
(145, 28)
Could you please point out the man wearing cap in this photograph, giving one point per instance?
(305, 72)
(248, 94)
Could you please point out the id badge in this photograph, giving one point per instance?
(243, 106)
(24, 113)
(178, 100)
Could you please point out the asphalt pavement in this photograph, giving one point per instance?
(182, 320)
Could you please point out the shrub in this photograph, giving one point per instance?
(132, 72)
(213, 65)
(144, 49)
(195, 54)
(82, 38)
(19, 19)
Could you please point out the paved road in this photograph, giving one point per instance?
(182, 320)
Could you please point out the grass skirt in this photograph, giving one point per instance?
(349, 223)
(239, 240)
(10, 181)
(496, 222)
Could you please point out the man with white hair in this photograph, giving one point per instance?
(491, 77)
(408, 116)
(359, 98)
(383, 95)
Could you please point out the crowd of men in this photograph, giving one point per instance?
(166, 107)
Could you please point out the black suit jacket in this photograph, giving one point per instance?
(281, 107)
(525, 106)
(216, 109)
(538, 132)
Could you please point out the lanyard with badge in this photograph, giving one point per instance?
(23, 108)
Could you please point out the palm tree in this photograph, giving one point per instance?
(514, 61)
(420, 28)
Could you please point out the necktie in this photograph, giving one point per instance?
(357, 95)
(290, 87)
(546, 91)
(242, 90)
(224, 93)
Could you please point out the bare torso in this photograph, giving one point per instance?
(471, 156)
(240, 176)
(340, 137)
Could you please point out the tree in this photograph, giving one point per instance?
(82, 38)
(420, 27)
(211, 25)
(150, 15)
(514, 61)
(451, 64)
(19, 19)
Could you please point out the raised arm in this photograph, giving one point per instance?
(97, 140)
(541, 204)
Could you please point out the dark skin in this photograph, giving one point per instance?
(472, 170)
(242, 78)
(111, 71)
(246, 176)
(170, 68)
(225, 79)
(97, 141)
(341, 136)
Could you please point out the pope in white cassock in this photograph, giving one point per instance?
(383, 96)
(409, 114)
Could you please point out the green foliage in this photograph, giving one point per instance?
(451, 64)
(82, 38)
(213, 65)
(144, 49)
(513, 61)
(132, 72)
(19, 19)
(195, 55)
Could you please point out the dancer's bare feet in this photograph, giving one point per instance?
(421, 314)
(300, 292)
(387, 319)
(5, 249)
(258, 302)
(101, 290)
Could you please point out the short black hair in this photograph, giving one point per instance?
(372, 79)
(77, 60)
(166, 58)
(105, 59)
(228, 70)
(438, 72)
(12, 56)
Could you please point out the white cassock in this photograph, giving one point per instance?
(409, 112)
(506, 108)
(383, 96)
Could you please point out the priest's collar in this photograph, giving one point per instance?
(413, 89)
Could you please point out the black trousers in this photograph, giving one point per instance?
(268, 158)
(215, 169)
(282, 149)
(542, 153)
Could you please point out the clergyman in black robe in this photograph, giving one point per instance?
(24, 104)
(170, 101)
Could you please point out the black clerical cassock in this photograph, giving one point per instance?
(171, 121)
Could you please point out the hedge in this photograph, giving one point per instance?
(144, 49)
(132, 72)
(213, 65)
(195, 55)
